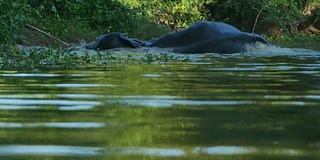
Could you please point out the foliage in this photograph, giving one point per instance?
(11, 18)
(240, 13)
(71, 20)
(77, 17)
(286, 14)
(283, 14)
(100, 15)
(177, 13)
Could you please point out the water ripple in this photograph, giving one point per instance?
(225, 150)
(117, 97)
(71, 125)
(241, 150)
(29, 75)
(151, 75)
(47, 102)
(82, 151)
(87, 96)
(73, 85)
(233, 69)
(13, 150)
(170, 103)
(40, 75)
(10, 150)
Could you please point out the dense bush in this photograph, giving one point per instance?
(265, 16)
(136, 17)
(100, 16)
(174, 13)
(12, 18)
(98, 13)
(240, 13)
(286, 15)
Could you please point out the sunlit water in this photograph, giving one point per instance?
(262, 105)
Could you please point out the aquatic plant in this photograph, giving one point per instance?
(15, 57)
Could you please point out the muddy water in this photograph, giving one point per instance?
(236, 106)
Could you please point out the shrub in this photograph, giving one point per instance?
(286, 15)
(140, 18)
(176, 13)
(100, 16)
(11, 19)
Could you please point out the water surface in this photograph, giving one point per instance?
(236, 106)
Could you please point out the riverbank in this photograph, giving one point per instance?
(18, 57)
(64, 27)
(78, 21)
(76, 37)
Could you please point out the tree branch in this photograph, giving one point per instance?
(48, 34)
(258, 15)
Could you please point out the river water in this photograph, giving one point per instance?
(226, 107)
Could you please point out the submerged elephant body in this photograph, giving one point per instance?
(114, 40)
(201, 37)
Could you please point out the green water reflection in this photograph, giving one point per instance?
(220, 107)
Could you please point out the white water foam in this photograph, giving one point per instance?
(259, 48)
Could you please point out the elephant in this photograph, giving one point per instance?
(114, 40)
(201, 37)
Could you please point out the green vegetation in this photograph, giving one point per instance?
(31, 22)
(39, 57)
(177, 13)
(72, 20)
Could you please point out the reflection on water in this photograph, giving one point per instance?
(238, 106)
(48, 150)
(225, 150)
(39, 75)
(45, 102)
(87, 151)
(129, 151)
(170, 103)
(52, 125)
